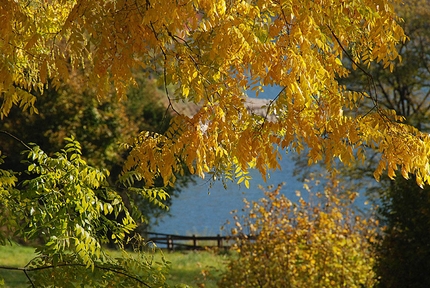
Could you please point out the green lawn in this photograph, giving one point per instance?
(194, 268)
(197, 269)
(15, 256)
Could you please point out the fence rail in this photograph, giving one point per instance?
(193, 242)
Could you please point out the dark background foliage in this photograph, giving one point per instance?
(99, 125)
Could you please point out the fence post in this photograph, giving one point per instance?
(169, 242)
(194, 242)
(219, 240)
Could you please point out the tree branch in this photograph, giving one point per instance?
(370, 77)
(16, 138)
(25, 270)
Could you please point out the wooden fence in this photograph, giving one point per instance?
(193, 242)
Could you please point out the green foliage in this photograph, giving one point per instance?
(67, 204)
(196, 268)
(404, 250)
(315, 243)
(67, 201)
(100, 126)
(130, 270)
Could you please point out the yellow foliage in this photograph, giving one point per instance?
(310, 244)
(211, 52)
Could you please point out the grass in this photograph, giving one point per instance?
(15, 256)
(195, 268)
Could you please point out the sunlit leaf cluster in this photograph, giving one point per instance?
(67, 202)
(130, 270)
(211, 53)
(317, 242)
(72, 109)
(70, 209)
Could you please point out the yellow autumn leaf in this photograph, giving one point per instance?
(211, 53)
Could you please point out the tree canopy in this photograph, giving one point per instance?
(205, 52)
(213, 52)
(72, 109)
(402, 253)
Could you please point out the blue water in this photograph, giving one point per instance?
(202, 210)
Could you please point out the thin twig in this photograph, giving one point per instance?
(370, 77)
(16, 138)
(25, 270)
(270, 105)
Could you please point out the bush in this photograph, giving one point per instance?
(404, 250)
(304, 244)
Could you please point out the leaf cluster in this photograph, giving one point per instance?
(72, 209)
(319, 242)
(100, 126)
(137, 269)
(67, 202)
(211, 52)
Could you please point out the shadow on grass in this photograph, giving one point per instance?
(14, 279)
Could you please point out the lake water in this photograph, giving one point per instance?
(202, 210)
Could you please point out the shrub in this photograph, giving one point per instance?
(321, 243)
(404, 250)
